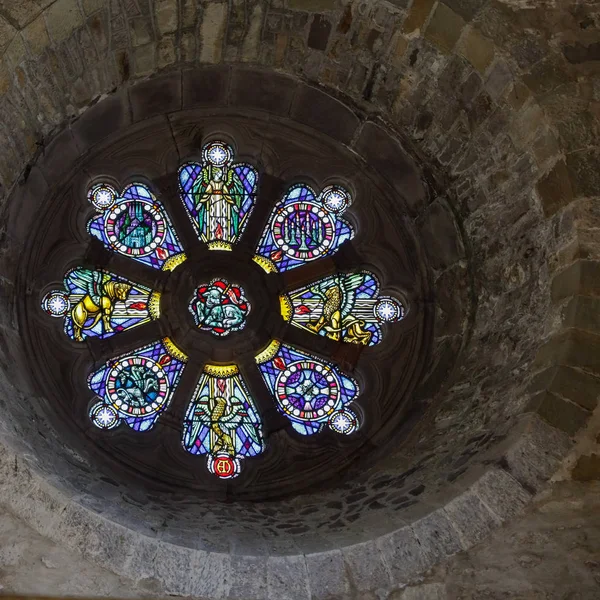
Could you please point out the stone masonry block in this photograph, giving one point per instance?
(441, 235)
(62, 18)
(501, 493)
(444, 27)
(316, 109)
(249, 578)
(27, 201)
(366, 566)
(560, 413)
(555, 189)
(574, 348)
(580, 278)
(261, 90)
(287, 578)
(583, 312)
(106, 117)
(467, 9)
(206, 87)
(533, 452)
(59, 155)
(404, 556)
(584, 172)
(477, 49)
(156, 96)
(471, 517)
(579, 387)
(386, 154)
(419, 11)
(211, 575)
(169, 564)
(326, 575)
(437, 535)
(425, 591)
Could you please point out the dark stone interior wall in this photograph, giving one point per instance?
(501, 100)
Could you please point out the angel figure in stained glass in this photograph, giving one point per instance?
(99, 302)
(338, 299)
(218, 193)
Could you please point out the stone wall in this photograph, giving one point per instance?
(499, 102)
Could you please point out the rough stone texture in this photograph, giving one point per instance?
(517, 159)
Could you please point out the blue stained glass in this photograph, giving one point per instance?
(136, 225)
(304, 227)
(100, 304)
(218, 195)
(222, 421)
(344, 307)
(136, 388)
(309, 391)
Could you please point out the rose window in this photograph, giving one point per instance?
(250, 264)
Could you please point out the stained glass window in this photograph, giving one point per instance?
(220, 307)
(136, 388)
(135, 224)
(96, 303)
(218, 195)
(309, 391)
(222, 421)
(345, 307)
(304, 227)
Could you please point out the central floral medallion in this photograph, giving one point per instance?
(220, 307)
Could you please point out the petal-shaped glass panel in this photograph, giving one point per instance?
(222, 421)
(218, 195)
(304, 227)
(136, 388)
(309, 391)
(345, 307)
(135, 224)
(97, 303)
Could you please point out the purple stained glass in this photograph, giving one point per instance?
(136, 388)
(222, 421)
(308, 390)
(137, 225)
(345, 307)
(218, 195)
(304, 227)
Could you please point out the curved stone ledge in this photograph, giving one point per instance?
(500, 117)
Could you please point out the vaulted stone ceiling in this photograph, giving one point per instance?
(495, 103)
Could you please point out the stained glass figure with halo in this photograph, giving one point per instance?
(310, 392)
(135, 224)
(136, 388)
(97, 303)
(218, 195)
(304, 227)
(346, 307)
(222, 422)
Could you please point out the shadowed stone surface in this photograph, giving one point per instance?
(517, 161)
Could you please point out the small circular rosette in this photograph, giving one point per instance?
(224, 466)
(217, 154)
(56, 303)
(343, 421)
(104, 416)
(336, 199)
(102, 196)
(388, 309)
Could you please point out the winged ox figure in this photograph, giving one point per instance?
(339, 299)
